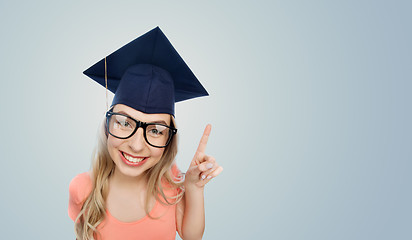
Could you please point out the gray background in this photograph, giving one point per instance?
(309, 102)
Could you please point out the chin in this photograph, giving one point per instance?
(126, 171)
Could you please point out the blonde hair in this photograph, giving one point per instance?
(93, 210)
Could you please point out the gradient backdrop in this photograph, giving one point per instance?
(310, 103)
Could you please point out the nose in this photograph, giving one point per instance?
(137, 142)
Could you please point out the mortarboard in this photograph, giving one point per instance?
(147, 74)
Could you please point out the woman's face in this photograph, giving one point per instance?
(133, 156)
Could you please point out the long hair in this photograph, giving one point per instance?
(93, 210)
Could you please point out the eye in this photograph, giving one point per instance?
(122, 122)
(155, 130)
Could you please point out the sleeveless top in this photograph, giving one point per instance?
(111, 228)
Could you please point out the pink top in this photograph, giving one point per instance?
(111, 228)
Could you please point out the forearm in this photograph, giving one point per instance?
(194, 216)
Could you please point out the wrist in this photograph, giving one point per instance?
(192, 187)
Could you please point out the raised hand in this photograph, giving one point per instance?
(203, 167)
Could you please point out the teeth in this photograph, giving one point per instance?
(132, 159)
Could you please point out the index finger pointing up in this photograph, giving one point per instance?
(203, 140)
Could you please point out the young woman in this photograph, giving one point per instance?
(134, 189)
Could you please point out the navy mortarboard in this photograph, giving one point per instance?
(147, 74)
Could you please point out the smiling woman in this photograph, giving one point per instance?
(135, 190)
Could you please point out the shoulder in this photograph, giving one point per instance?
(81, 186)
(176, 173)
(170, 183)
(79, 189)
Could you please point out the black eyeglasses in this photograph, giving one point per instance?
(122, 126)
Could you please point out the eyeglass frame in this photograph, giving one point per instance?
(140, 124)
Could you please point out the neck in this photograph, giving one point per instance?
(128, 182)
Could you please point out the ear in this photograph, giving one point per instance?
(105, 128)
(106, 131)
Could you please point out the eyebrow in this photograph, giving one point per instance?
(158, 121)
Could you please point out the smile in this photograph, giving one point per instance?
(132, 161)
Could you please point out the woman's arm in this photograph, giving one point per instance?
(201, 170)
(193, 222)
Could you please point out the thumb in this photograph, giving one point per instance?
(193, 170)
(198, 159)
